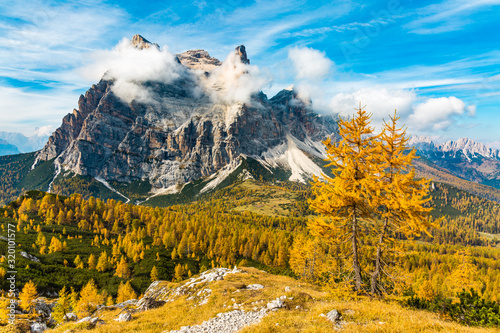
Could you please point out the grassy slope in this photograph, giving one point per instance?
(269, 200)
(362, 315)
(16, 175)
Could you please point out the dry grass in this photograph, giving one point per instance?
(361, 316)
(273, 200)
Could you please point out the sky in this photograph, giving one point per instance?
(436, 62)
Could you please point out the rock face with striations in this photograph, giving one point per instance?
(181, 136)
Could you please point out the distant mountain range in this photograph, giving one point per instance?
(464, 158)
(15, 143)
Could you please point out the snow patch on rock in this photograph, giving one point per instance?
(291, 156)
(105, 183)
(220, 175)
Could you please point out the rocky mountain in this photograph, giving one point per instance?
(198, 124)
(465, 158)
(7, 149)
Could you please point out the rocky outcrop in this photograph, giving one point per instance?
(242, 53)
(148, 303)
(275, 304)
(29, 256)
(72, 123)
(198, 59)
(142, 43)
(299, 119)
(159, 291)
(38, 327)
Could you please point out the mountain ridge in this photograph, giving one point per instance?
(464, 158)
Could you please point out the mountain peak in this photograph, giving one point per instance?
(470, 148)
(241, 51)
(198, 59)
(142, 43)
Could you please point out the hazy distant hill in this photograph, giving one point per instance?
(7, 149)
(23, 143)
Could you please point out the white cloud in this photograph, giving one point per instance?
(44, 130)
(472, 110)
(447, 16)
(437, 113)
(311, 67)
(53, 35)
(379, 101)
(493, 144)
(234, 81)
(417, 113)
(129, 67)
(310, 64)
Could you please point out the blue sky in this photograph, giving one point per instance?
(437, 62)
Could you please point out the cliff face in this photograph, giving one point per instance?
(181, 135)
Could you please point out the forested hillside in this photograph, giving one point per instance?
(77, 239)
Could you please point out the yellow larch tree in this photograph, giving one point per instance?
(55, 245)
(346, 201)
(179, 272)
(62, 307)
(125, 292)
(89, 299)
(78, 262)
(27, 296)
(122, 269)
(154, 274)
(402, 198)
(4, 311)
(102, 263)
(92, 261)
(307, 258)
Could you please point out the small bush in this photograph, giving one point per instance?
(470, 309)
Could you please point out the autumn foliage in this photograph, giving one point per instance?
(372, 197)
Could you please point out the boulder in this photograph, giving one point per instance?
(255, 286)
(43, 308)
(70, 317)
(38, 328)
(129, 303)
(276, 304)
(91, 321)
(334, 316)
(124, 316)
(148, 303)
(29, 256)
